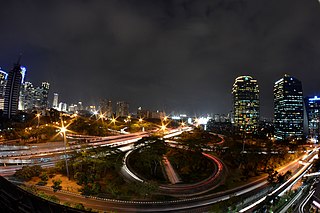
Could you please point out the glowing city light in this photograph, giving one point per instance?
(163, 127)
(63, 129)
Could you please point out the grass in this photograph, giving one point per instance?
(67, 185)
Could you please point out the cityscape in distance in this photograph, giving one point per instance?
(182, 106)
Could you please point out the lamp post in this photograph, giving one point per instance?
(163, 127)
(140, 122)
(182, 125)
(113, 120)
(63, 130)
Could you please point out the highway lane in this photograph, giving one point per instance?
(171, 173)
(200, 202)
(305, 201)
(51, 147)
(285, 186)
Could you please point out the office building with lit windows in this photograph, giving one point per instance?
(106, 108)
(288, 108)
(55, 103)
(12, 91)
(246, 104)
(313, 115)
(3, 82)
(122, 109)
(41, 96)
(26, 96)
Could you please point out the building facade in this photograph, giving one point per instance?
(33, 98)
(12, 91)
(44, 103)
(313, 116)
(55, 103)
(63, 107)
(106, 108)
(122, 109)
(3, 82)
(26, 96)
(246, 104)
(288, 108)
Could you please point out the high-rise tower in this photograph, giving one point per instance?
(55, 103)
(122, 109)
(313, 114)
(288, 108)
(3, 82)
(26, 98)
(246, 104)
(106, 108)
(11, 98)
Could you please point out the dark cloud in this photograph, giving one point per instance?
(166, 54)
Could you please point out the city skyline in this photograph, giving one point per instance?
(165, 55)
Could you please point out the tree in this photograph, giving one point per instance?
(56, 185)
(44, 176)
(272, 176)
(150, 156)
(284, 177)
(27, 172)
(79, 206)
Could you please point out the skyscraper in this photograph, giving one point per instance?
(106, 108)
(55, 103)
(313, 114)
(41, 96)
(122, 109)
(3, 82)
(288, 108)
(11, 98)
(26, 99)
(63, 107)
(45, 86)
(246, 104)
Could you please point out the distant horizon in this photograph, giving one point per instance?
(96, 102)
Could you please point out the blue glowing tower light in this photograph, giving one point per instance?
(23, 73)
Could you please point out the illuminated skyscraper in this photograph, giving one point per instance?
(11, 98)
(246, 104)
(106, 108)
(26, 99)
(3, 81)
(122, 109)
(55, 103)
(288, 108)
(313, 115)
(45, 86)
(41, 96)
(63, 107)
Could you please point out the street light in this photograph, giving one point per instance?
(163, 127)
(101, 116)
(140, 122)
(63, 130)
(182, 124)
(113, 120)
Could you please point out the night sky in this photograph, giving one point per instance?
(180, 55)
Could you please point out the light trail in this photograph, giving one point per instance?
(304, 202)
(293, 179)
